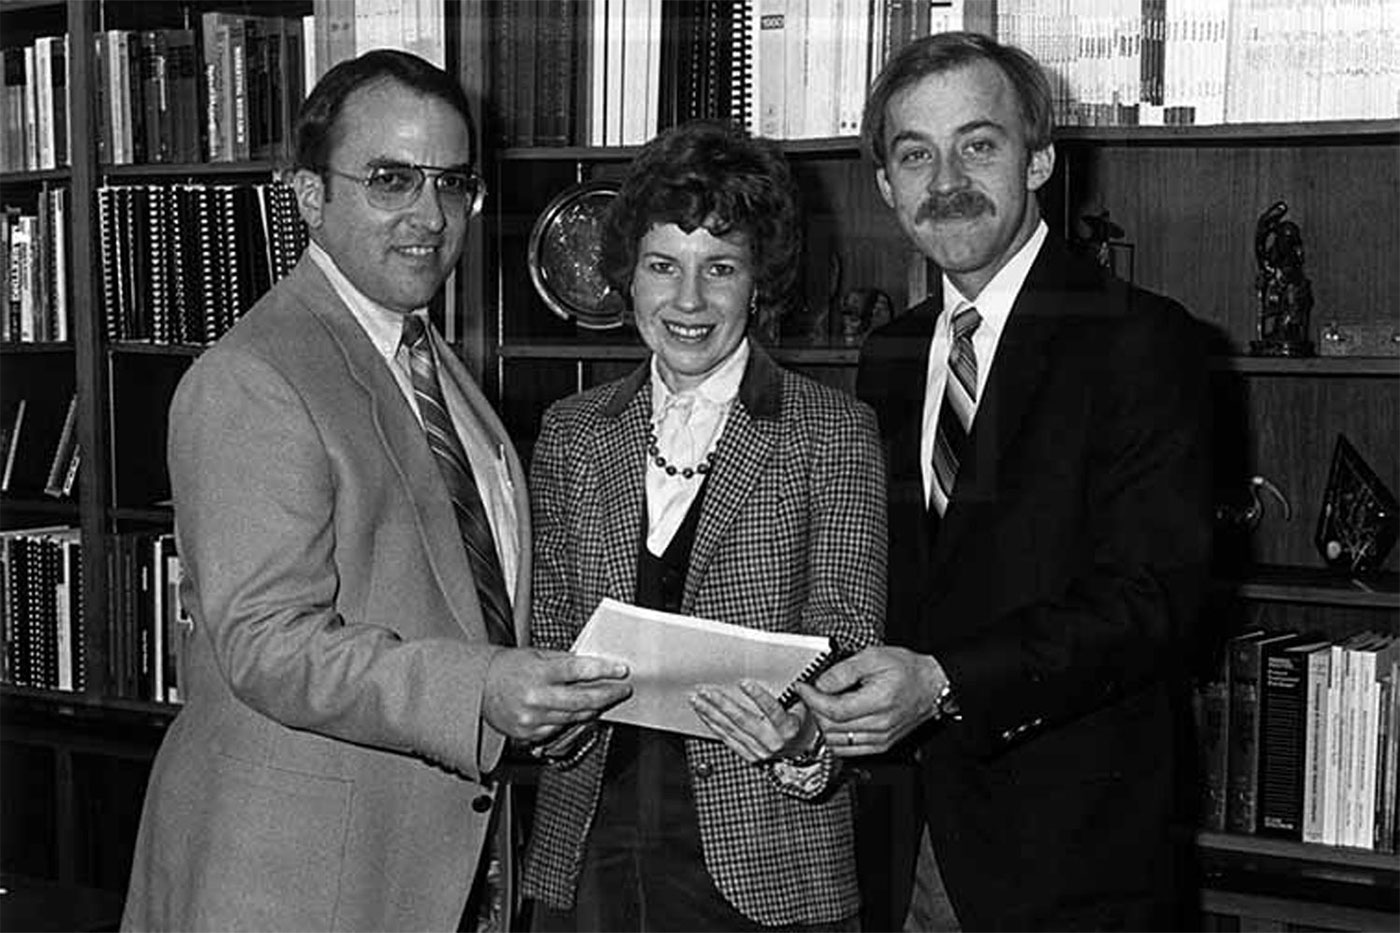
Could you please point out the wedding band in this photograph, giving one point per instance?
(850, 738)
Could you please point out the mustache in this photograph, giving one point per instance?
(959, 204)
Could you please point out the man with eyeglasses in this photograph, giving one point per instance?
(354, 530)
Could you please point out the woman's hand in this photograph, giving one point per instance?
(749, 719)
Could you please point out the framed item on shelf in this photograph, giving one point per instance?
(565, 247)
(1358, 522)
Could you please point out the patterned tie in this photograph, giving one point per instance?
(959, 401)
(461, 485)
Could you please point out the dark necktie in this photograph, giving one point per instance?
(955, 415)
(456, 472)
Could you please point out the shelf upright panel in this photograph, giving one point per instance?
(91, 378)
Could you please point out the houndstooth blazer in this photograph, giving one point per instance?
(792, 538)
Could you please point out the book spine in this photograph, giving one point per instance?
(1241, 791)
(1282, 727)
(1315, 745)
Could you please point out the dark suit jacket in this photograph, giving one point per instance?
(791, 538)
(329, 768)
(1058, 592)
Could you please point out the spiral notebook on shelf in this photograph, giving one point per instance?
(668, 655)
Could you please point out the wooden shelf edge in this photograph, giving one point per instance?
(1262, 907)
(189, 169)
(1309, 366)
(1314, 131)
(68, 703)
(1274, 583)
(36, 176)
(46, 346)
(135, 348)
(1345, 856)
(35, 505)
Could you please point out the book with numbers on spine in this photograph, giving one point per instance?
(669, 655)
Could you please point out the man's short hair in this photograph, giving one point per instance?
(318, 125)
(949, 50)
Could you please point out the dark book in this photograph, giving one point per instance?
(502, 27)
(524, 20)
(1242, 768)
(15, 81)
(64, 454)
(156, 98)
(134, 109)
(183, 80)
(107, 241)
(9, 438)
(1283, 721)
(555, 74)
(1212, 710)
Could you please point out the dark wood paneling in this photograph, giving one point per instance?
(1191, 214)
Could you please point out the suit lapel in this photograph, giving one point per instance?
(620, 454)
(742, 455)
(403, 445)
(1015, 380)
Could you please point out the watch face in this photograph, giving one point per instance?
(565, 247)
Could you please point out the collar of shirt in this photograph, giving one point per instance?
(687, 426)
(384, 327)
(719, 388)
(994, 305)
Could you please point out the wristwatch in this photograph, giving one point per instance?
(946, 704)
(807, 757)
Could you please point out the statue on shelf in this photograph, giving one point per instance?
(1285, 294)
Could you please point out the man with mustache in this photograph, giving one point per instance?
(1046, 429)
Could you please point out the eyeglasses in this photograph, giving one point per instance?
(395, 187)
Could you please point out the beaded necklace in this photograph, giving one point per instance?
(654, 450)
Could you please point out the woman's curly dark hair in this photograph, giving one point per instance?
(713, 174)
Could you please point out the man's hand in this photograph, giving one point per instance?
(867, 703)
(532, 694)
(752, 722)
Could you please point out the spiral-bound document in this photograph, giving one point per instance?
(668, 655)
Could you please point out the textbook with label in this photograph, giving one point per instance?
(669, 655)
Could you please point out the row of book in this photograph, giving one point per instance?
(39, 450)
(41, 608)
(34, 257)
(182, 262)
(34, 105)
(612, 72)
(225, 92)
(1299, 737)
(226, 89)
(146, 623)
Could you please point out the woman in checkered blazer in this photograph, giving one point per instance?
(712, 482)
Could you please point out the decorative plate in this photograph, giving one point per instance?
(565, 248)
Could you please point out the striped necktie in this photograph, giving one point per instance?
(959, 405)
(456, 473)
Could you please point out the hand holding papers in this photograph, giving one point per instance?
(669, 655)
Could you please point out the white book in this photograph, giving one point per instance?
(794, 69)
(43, 101)
(1315, 744)
(822, 70)
(668, 655)
(770, 68)
(854, 79)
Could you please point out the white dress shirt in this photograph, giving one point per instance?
(994, 305)
(488, 461)
(688, 425)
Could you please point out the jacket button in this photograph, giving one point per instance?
(482, 804)
(703, 769)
